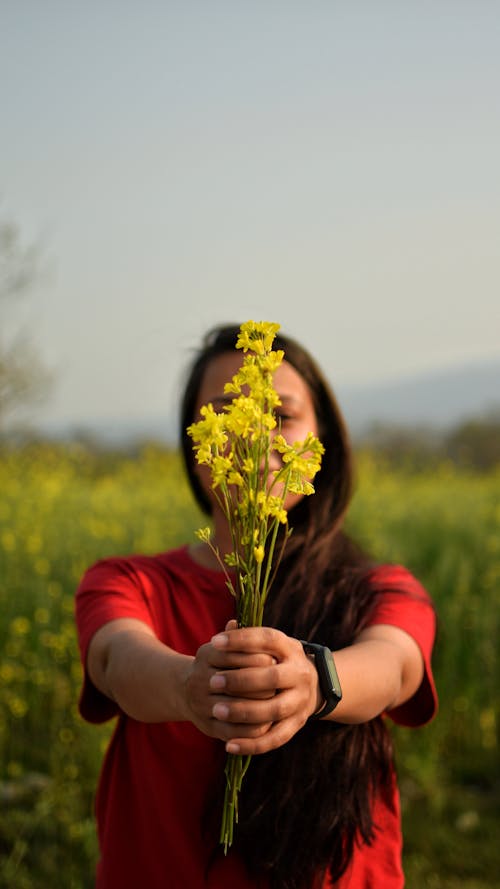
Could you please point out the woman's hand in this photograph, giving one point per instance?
(252, 688)
(202, 693)
(264, 688)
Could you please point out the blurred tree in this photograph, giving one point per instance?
(24, 378)
(410, 447)
(475, 443)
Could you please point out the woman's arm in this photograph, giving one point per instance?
(153, 683)
(264, 702)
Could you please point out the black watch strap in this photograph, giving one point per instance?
(327, 676)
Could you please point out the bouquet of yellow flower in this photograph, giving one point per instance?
(236, 445)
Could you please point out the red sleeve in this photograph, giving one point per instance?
(110, 589)
(405, 604)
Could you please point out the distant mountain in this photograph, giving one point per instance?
(440, 399)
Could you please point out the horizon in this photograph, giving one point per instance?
(381, 402)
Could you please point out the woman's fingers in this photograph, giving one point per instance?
(243, 711)
(293, 670)
(255, 639)
(222, 659)
(278, 734)
(226, 731)
(231, 660)
(247, 681)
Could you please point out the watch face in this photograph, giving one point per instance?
(332, 673)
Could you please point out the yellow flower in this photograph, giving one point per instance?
(20, 626)
(257, 336)
(298, 485)
(243, 417)
(275, 508)
(208, 433)
(235, 478)
(259, 554)
(272, 361)
(234, 445)
(221, 466)
(301, 460)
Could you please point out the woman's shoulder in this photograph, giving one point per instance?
(401, 600)
(396, 578)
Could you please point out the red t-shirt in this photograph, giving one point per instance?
(156, 778)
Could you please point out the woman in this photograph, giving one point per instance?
(319, 806)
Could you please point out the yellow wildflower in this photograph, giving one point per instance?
(257, 336)
(210, 430)
(236, 445)
(221, 466)
(258, 554)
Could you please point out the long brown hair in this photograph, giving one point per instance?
(305, 804)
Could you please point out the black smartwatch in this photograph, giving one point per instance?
(327, 675)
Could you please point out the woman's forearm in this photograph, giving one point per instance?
(147, 679)
(141, 674)
(379, 672)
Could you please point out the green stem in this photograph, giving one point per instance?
(235, 771)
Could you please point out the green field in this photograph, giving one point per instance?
(62, 508)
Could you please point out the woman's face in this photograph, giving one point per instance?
(296, 414)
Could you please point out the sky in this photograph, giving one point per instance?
(330, 166)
